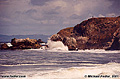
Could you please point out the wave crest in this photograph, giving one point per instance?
(56, 45)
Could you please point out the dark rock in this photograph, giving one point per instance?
(25, 43)
(4, 46)
(40, 41)
(70, 42)
(56, 37)
(115, 45)
(94, 33)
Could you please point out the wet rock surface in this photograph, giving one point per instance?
(94, 33)
(23, 44)
(4, 46)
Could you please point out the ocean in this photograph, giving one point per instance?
(59, 64)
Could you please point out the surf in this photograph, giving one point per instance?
(81, 72)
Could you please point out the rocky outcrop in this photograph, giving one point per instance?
(70, 42)
(4, 46)
(115, 45)
(25, 43)
(56, 37)
(94, 33)
(40, 41)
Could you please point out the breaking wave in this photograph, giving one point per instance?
(80, 72)
(56, 45)
(98, 51)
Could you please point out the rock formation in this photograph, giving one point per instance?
(23, 44)
(94, 33)
(40, 41)
(4, 46)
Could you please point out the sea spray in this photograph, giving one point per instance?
(56, 45)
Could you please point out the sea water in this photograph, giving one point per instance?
(55, 63)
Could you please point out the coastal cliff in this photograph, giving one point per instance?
(94, 33)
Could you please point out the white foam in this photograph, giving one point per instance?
(62, 49)
(80, 72)
(72, 72)
(98, 51)
(9, 44)
(56, 45)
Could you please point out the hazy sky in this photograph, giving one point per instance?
(49, 16)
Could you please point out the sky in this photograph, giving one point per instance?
(25, 17)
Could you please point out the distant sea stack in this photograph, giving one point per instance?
(94, 33)
(22, 44)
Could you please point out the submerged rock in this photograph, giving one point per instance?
(94, 33)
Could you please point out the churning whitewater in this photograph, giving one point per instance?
(56, 45)
(59, 63)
